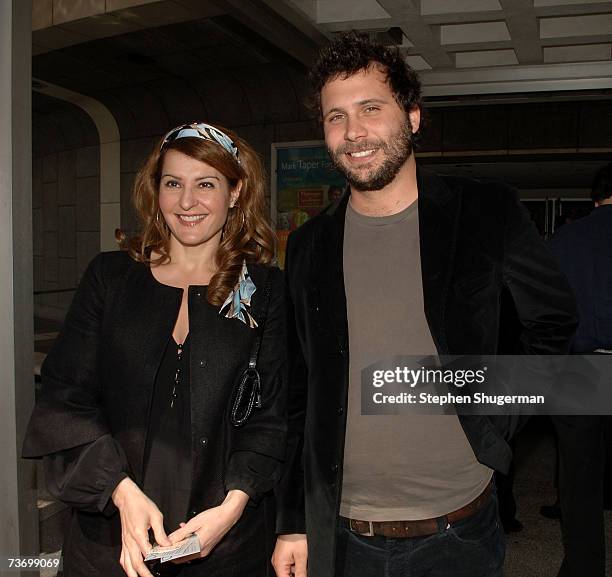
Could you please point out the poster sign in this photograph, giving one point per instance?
(304, 182)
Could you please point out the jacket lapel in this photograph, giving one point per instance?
(152, 306)
(329, 261)
(439, 209)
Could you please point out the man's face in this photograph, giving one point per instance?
(367, 133)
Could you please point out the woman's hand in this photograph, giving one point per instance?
(290, 555)
(138, 515)
(211, 525)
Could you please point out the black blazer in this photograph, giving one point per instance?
(475, 240)
(99, 377)
(584, 255)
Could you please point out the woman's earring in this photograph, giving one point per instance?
(243, 215)
(161, 221)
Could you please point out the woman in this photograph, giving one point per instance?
(133, 412)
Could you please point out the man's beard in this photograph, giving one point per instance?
(397, 151)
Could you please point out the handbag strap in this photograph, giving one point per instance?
(262, 323)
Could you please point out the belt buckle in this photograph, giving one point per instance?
(370, 531)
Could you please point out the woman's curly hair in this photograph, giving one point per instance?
(351, 52)
(247, 234)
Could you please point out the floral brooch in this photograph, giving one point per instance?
(240, 298)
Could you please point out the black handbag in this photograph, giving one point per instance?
(247, 390)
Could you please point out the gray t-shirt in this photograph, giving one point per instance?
(396, 467)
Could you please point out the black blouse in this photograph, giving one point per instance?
(167, 478)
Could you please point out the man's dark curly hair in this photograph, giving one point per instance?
(351, 52)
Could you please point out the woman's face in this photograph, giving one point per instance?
(194, 198)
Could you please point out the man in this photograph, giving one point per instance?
(584, 252)
(406, 263)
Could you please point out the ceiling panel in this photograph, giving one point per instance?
(485, 58)
(418, 62)
(475, 32)
(575, 26)
(431, 7)
(333, 10)
(585, 53)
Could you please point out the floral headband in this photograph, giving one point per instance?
(205, 132)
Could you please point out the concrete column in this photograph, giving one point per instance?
(18, 514)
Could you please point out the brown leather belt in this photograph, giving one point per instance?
(421, 527)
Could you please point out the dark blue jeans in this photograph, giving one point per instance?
(472, 547)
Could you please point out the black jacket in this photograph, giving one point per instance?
(584, 252)
(475, 240)
(98, 380)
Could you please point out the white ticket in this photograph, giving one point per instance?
(188, 546)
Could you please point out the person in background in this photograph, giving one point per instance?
(133, 414)
(563, 219)
(407, 263)
(584, 252)
(334, 193)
